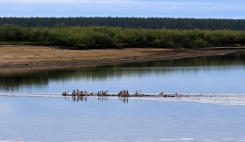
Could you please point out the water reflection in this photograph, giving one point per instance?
(124, 99)
(103, 98)
(195, 117)
(99, 98)
(61, 120)
(76, 98)
(39, 80)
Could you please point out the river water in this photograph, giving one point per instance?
(32, 108)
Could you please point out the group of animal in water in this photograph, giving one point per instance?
(122, 93)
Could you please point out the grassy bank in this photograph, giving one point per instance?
(116, 37)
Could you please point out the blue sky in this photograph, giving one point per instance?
(138, 8)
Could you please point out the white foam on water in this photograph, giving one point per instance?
(23, 94)
(180, 139)
(17, 141)
(223, 99)
(148, 140)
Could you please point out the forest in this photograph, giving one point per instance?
(128, 22)
(86, 37)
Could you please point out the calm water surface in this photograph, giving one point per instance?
(32, 108)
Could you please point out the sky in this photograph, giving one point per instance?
(231, 9)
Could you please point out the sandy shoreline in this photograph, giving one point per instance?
(31, 58)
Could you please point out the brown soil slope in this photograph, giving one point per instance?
(16, 58)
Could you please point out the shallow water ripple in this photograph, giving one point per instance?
(32, 118)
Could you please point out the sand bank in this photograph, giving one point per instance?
(21, 58)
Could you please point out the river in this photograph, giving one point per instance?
(32, 108)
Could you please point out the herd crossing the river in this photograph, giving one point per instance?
(122, 93)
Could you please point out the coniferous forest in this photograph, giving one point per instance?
(129, 22)
(107, 32)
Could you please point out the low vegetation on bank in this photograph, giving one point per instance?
(115, 37)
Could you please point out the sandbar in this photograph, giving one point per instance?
(16, 58)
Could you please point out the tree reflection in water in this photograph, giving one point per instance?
(15, 81)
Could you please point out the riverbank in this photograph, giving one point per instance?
(16, 58)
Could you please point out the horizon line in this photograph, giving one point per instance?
(121, 17)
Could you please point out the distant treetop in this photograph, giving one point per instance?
(128, 22)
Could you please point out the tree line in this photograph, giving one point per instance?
(129, 22)
(79, 37)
